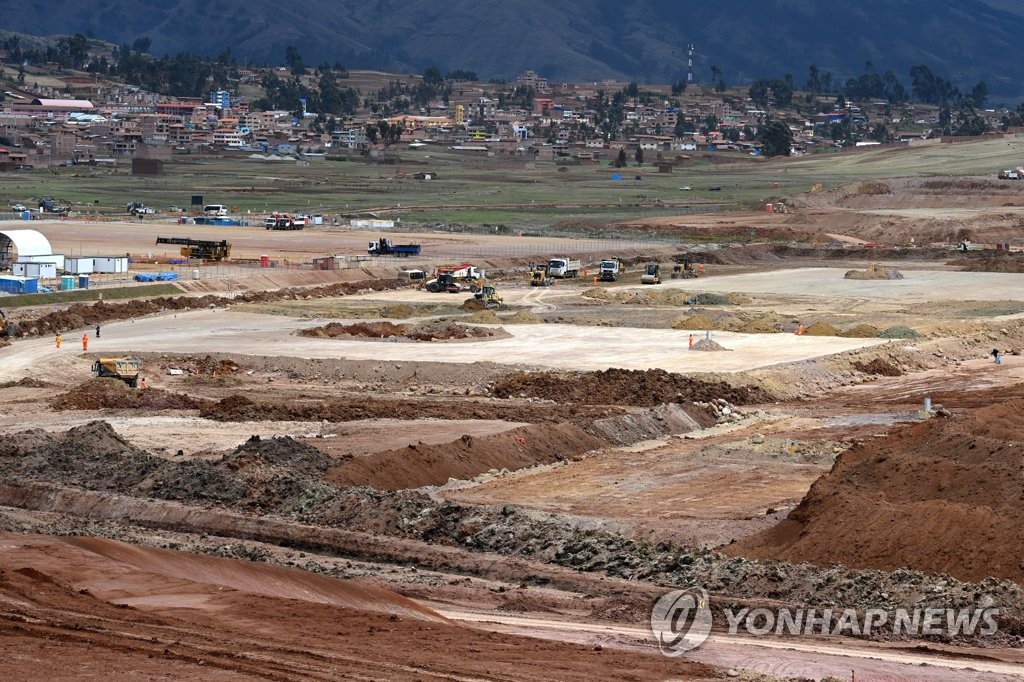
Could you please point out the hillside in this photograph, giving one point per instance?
(573, 40)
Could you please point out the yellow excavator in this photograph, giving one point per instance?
(7, 328)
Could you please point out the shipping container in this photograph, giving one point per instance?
(36, 270)
(18, 285)
(79, 265)
(110, 264)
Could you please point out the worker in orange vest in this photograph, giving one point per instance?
(800, 329)
(58, 340)
(143, 384)
(691, 341)
(85, 342)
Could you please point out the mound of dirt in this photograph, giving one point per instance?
(384, 331)
(878, 367)
(26, 382)
(942, 496)
(240, 408)
(523, 317)
(483, 317)
(873, 273)
(861, 331)
(423, 464)
(701, 321)
(106, 393)
(898, 332)
(708, 345)
(624, 387)
(713, 299)
(762, 324)
(990, 261)
(821, 329)
(473, 304)
(397, 311)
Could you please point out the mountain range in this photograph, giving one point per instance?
(574, 40)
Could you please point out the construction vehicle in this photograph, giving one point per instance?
(610, 269)
(465, 276)
(539, 275)
(285, 221)
(200, 248)
(125, 369)
(137, 208)
(51, 205)
(444, 282)
(652, 274)
(7, 328)
(489, 296)
(683, 269)
(384, 247)
(564, 267)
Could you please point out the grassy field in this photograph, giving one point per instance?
(489, 191)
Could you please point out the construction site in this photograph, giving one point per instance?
(494, 469)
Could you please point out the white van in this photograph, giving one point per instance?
(215, 210)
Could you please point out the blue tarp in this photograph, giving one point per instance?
(156, 276)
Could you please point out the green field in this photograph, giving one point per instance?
(481, 191)
(83, 295)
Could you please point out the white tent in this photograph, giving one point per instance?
(24, 242)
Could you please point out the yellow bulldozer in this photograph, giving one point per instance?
(125, 369)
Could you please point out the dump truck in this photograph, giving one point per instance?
(610, 269)
(384, 247)
(200, 248)
(564, 267)
(652, 274)
(125, 369)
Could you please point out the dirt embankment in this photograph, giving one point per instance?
(426, 464)
(642, 388)
(939, 496)
(238, 407)
(81, 315)
(389, 331)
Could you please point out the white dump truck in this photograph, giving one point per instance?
(563, 267)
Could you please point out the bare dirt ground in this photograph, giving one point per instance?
(473, 497)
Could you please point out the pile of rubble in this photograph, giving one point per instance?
(721, 409)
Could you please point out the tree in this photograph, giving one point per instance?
(620, 161)
(293, 60)
(432, 76)
(679, 87)
(776, 139)
(639, 156)
(716, 78)
(141, 44)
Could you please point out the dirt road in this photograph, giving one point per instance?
(547, 345)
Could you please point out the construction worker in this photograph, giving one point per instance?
(142, 384)
(997, 355)
(97, 331)
(800, 329)
(58, 340)
(691, 341)
(85, 342)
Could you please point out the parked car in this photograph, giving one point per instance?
(18, 207)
